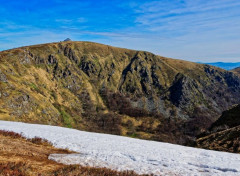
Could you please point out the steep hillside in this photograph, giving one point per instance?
(225, 140)
(229, 119)
(100, 88)
(236, 71)
(224, 133)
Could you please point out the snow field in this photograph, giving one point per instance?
(123, 153)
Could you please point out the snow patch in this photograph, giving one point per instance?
(123, 153)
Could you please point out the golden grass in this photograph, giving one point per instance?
(20, 156)
(236, 71)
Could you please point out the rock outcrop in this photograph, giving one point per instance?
(100, 88)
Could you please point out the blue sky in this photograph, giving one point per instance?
(195, 30)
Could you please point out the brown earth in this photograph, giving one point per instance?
(20, 157)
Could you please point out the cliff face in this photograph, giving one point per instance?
(101, 88)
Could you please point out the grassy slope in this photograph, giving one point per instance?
(224, 133)
(225, 140)
(73, 84)
(19, 156)
(236, 71)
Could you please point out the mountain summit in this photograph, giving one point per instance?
(100, 88)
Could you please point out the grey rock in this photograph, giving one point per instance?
(3, 77)
(52, 59)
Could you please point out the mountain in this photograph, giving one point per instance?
(224, 133)
(95, 87)
(225, 65)
(236, 71)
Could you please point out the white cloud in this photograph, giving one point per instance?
(64, 21)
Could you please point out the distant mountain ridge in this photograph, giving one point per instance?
(224, 65)
(95, 87)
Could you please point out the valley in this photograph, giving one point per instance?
(99, 88)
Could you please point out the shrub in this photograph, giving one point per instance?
(10, 133)
(40, 141)
(117, 102)
(12, 168)
(35, 140)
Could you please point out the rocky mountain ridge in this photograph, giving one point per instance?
(100, 88)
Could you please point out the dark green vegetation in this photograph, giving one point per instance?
(100, 88)
(224, 134)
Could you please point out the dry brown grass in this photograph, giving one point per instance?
(35, 140)
(89, 171)
(226, 140)
(20, 156)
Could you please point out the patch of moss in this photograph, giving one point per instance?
(132, 135)
(34, 87)
(67, 119)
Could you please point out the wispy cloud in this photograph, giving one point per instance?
(72, 21)
(199, 30)
(199, 25)
(65, 21)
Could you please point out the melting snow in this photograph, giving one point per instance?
(123, 153)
